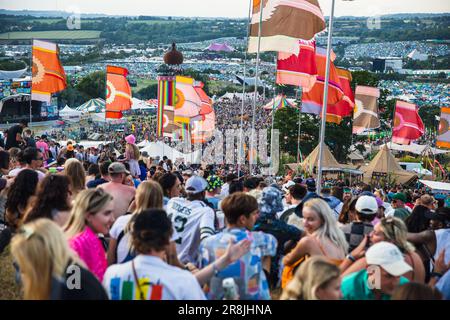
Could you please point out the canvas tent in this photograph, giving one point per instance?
(70, 114)
(310, 163)
(384, 164)
(416, 148)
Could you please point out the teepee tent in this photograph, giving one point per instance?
(384, 163)
(329, 162)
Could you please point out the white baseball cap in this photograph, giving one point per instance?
(389, 257)
(196, 184)
(366, 205)
(287, 185)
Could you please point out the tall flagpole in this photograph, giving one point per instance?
(271, 132)
(299, 127)
(31, 87)
(243, 90)
(325, 101)
(256, 88)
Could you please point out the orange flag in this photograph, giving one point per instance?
(48, 74)
(343, 108)
(118, 92)
(312, 100)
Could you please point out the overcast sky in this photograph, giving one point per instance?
(221, 8)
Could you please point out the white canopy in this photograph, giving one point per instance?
(160, 149)
(68, 113)
(437, 186)
(415, 148)
(143, 143)
(140, 104)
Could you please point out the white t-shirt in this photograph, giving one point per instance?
(124, 245)
(192, 222)
(158, 281)
(15, 172)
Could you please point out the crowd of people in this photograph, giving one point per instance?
(132, 227)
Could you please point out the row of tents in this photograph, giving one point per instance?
(382, 165)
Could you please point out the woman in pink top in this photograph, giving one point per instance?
(91, 215)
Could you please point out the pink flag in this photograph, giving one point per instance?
(408, 125)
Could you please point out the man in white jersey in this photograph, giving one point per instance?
(192, 219)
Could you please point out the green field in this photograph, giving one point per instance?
(142, 83)
(56, 35)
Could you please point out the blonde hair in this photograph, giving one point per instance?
(87, 202)
(74, 170)
(149, 194)
(134, 150)
(42, 252)
(395, 231)
(329, 228)
(315, 273)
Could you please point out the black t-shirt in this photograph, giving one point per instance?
(11, 141)
(90, 288)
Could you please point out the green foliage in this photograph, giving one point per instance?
(93, 85)
(149, 92)
(10, 65)
(337, 137)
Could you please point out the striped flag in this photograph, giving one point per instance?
(312, 101)
(48, 74)
(166, 97)
(408, 125)
(298, 70)
(365, 114)
(443, 139)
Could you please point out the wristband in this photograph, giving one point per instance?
(351, 258)
(436, 274)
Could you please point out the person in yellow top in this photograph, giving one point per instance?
(323, 238)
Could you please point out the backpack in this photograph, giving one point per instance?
(130, 255)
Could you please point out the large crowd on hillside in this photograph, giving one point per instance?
(131, 227)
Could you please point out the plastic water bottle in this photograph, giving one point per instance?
(230, 289)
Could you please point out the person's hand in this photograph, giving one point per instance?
(439, 265)
(360, 251)
(237, 250)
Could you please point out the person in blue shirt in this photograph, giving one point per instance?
(241, 211)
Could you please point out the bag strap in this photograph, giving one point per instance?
(136, 279)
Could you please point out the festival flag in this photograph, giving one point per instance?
(298, 70)
(168, 124)
(344, 108)
(365, 114)
(443, 139)
(312, 101)
(118, 92)
(284, 22)
(408, 125)
(166, 97)
(48, 75)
